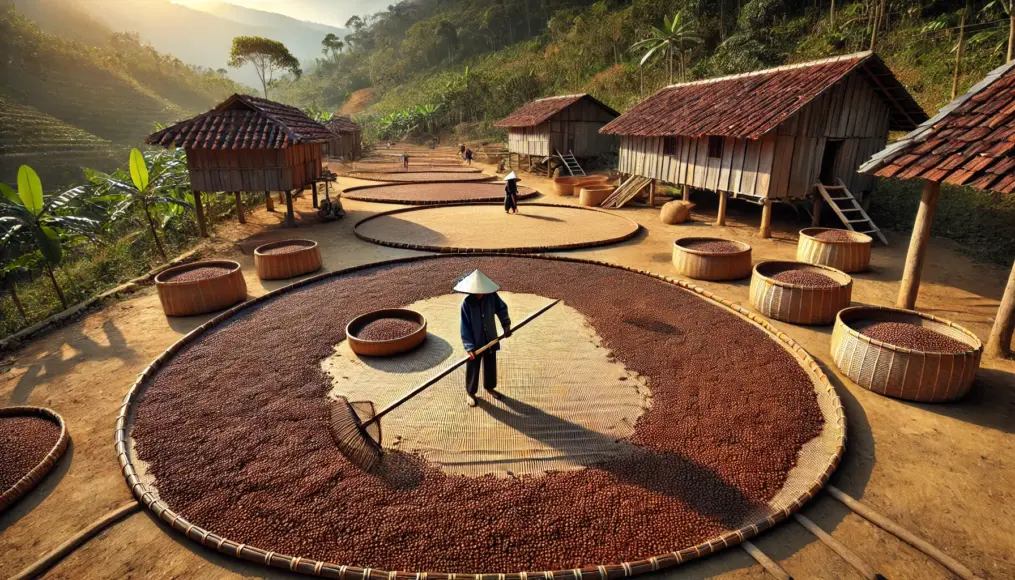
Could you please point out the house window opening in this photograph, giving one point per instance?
(669, 145)
(715, 147)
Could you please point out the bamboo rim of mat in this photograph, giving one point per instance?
(514, 250)
(493, 198)
(836, 275)
(169, 272)
(148, 495)
(382, 177)
(854, 313)
(302, 243)
(859, 237)
(30, 480)
(745, 248)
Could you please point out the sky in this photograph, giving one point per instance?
(331, 12)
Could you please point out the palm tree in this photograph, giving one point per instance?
(670, 38)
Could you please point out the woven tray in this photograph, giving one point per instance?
(848, 256)
(385, 347)
(715, 266)
(796, 303)
(899, 372)
(31, 479)
(816, 463)
(289, 264)
(201, 296)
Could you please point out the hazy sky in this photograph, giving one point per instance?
(333, 12)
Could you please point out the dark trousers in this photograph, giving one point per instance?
(488, 360)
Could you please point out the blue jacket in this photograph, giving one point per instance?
(478, 325)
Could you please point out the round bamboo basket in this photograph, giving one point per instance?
(593, 195)
(796, 303)
(849, 256)
(385, 347)
(287, 265)
(895, 371)
(715, 266)
(201, 296)
(564, 185)
(9, 497)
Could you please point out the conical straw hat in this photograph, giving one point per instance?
(511, 176)
(476, 283)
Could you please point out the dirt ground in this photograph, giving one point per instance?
(945, 472)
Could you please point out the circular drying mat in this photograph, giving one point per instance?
(398, 169)
(422, 177)
(46, 463)
(175, 391)
(433, 193)
(487, 227)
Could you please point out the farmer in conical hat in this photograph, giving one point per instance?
(511, 193)
(478, 327)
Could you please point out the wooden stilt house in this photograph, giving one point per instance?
(346, 140)
(565, 125)
(768, 135)
(971, 142)
(248, 144)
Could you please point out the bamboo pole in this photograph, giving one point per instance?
(999, 343)
(269, 203)
(720, 218)
(652, 193)
(239, 208)
(766, 220)
(202, 227)
(910, 285)
(767, 563)
(958, 52)
(851, 558)
(687, 193)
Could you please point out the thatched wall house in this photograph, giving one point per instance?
(347, 139)
(248, 144)
(768, 135)
(564, 124)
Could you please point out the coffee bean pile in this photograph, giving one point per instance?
(834, 236)
(287, 248)
(411, 176)
(388, 329)
(24, 443)
(808, 278)
(199, 273)
(713, 246)
(914, 337)
(253, 458)
(433, 193)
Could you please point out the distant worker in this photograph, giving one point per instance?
(461, 150)
(511, 193)
(479, 327)
(468, 156)
(405, 160)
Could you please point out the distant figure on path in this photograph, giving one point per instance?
(468, 156)
(511, 193)
(405, 160)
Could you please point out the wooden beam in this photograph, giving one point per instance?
(239, 208)
(999, 343)
(910, 285)
(889, 96)
(766, 220)
(816, 211)
(269, 203)
(720, 218)
(290, 214)
(687, 192)
(652, 193)
(202, 227)
(313, 195)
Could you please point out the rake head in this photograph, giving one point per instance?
(361, 446)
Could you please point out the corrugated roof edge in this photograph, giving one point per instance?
(916, 136)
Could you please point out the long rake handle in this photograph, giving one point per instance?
(434, 379)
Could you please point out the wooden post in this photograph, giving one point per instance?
(313, 194)
(199, 210)
(910, 286)
(239, 208)
(687, 192)
(816, 217)
(652, 193)
(268, 202)
(720, 218)
(290, 214)
(999, 343)
(766, 220)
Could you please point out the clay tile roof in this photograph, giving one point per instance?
(752, 104)
(971, 141)
(243, 122)
(340, 124)
(535, 112)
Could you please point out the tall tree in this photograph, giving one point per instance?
(1006, 6)
(959, 50)
(268, 57)
(675, 34)
(333, 45)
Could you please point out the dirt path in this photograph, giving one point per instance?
(944, 472)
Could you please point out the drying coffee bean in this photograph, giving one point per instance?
(24, 443)
(199, 273)
(834, 236)
(804, 277)
(713, 246)
(287, 248)
(914, 337)
(388, 329)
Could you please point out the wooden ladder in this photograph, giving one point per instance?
(626, 191)
(571, 163)
(852, 215)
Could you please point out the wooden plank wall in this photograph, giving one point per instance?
(530, 140)
(582, 120)
(347, 146)
(243, 170)
(786, 162)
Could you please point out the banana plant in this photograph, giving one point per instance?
(30, 214)
(144, 189)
